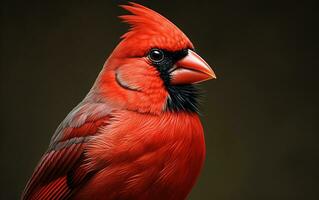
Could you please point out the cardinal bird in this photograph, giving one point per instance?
(137, 133)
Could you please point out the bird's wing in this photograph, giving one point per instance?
(64, 167)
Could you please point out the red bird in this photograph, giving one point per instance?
(137, 134)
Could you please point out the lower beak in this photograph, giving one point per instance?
(191, 69)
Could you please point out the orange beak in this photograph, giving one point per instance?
(191, 69)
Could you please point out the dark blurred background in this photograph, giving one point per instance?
(260, 115)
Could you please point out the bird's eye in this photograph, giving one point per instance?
(156, 55)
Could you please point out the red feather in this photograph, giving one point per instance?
(150, 29)
(63, 168)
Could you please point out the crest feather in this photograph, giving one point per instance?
(146, 23)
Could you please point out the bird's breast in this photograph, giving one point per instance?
(143, 156)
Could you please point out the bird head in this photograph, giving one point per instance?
(154, 67)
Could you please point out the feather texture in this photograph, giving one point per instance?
(64, 165)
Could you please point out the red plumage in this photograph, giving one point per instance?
(136, 135)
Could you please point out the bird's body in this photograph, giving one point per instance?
(161, 162)
(137, 134)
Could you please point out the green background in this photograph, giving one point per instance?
(260, 115)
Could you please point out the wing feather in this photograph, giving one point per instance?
(61, 170)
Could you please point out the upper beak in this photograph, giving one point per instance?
(191, 69)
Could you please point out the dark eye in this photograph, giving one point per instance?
(156, 55)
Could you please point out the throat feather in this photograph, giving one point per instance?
(182, 98)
